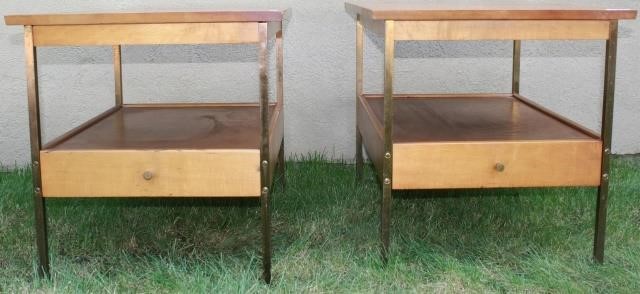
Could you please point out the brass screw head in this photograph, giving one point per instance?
(387, 155)
(265, 190)
(265, 163)
(605, 177)
(607, 151)
(36, 163)
(37, 190)
(147, 175)
(499, 167)
(387, 181)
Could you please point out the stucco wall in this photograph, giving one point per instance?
(77, 83)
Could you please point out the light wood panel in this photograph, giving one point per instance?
(150, 17)
(473, 164)
(502, 30)
(114, 173)
(138, 34)
(463, 10)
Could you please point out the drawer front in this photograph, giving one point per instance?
(496, 164)
(194, 173)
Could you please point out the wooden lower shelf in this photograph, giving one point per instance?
(460, 141)
(174, 150)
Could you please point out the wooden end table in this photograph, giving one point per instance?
(159, 150)
(447, 141)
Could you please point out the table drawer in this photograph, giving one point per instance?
(496, 164)
(174, 173)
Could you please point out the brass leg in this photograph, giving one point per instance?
(387, 167)
(359, 156)
(264, 153)
(385, 221)
(280, 100)
(266, 236)
(607, 121)
(359, 68)
(117, 73)
(36, 145)
(281, 166)
(515, 85)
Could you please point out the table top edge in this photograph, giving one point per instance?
(265, 15)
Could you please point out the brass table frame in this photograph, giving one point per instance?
(386, 29)
(72, 34)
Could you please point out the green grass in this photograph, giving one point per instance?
(325, 239)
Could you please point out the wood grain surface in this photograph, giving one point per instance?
(149, 17)
(502, 30)
(470, 118)
(541, 163)
(456, 10)
(173, 173)
(203, 150)
(458, 141)
(142, 34)
(172, 127)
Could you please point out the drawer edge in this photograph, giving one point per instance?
(473, 164)
(175, 173)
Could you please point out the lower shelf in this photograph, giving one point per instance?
(155, 151)
(479, 141)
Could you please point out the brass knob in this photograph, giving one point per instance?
(147, 175)
(499, 167)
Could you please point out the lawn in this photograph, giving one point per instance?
(325, 239)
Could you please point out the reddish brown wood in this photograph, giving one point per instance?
(565, 120)
(81, 127)
(170, 127)
(148, 17)
(430, 118)
(465, 11)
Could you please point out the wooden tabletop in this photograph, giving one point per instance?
(149, 17)
(454, 11)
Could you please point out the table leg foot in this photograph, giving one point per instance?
(266, 237)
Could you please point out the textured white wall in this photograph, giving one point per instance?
(77, 83)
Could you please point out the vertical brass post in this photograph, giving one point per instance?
(515, 85)
(280, 98)
(387, 165)
(607, 124)
(117, 73)
(264, 152)
(281, 166)
(280, 67)
(515, 80)
(359, 69)
(35, 136)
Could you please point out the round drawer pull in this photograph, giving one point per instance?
(147, 175)
(499, 167)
